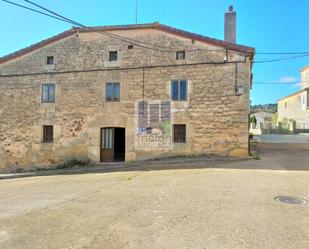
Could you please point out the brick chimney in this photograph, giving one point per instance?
(230, 25)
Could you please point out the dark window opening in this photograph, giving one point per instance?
(180, 55)
(112, 91)
(48, 93)
(179, 90)
(179, 135)
(50, 60)
(130, 47)
(113, 55)
(48, 134)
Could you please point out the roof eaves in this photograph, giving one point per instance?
(235, 47)
(293, 94)
(38, 45)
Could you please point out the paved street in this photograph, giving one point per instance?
(280, 138)
(201, 205)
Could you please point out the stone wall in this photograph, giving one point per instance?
(215, 116)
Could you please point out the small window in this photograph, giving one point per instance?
(50, 60)
(48, 133)
(285, 105)
(130, 47)
(180, 55)
(48, 93)
(112, 91)
(179, 131)
(113, 55)
(179, 90)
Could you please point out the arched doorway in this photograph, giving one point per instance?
(112, 147)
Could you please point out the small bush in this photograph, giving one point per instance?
(256, 156)
(74, 163)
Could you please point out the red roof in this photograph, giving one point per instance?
(155, 25)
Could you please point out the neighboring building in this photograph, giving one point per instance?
(86, 93)
(295, 107)
(263, 120)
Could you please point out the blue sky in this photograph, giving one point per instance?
(269, 26)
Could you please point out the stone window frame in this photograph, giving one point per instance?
(113, 98)
(113, 55)
(49, 98)
(48, 134)
(50, 60)
(181, 55)
(179, 90)
(179, 133)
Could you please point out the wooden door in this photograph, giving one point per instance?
(107, 144)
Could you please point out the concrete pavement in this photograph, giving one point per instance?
(230, 205)
(283, 139)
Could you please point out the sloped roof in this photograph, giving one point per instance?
(155, 25)
(304, 68)
(293, 94)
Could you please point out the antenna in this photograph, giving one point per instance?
(136, 11)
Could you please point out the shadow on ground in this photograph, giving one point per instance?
(271, 157)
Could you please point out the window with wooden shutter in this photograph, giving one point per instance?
(48, 93)
(112, 91)
(179, 90)
(179, 133)
(48, 134)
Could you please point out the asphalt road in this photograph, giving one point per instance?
(227, 204)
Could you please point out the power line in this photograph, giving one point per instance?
(138, 42)
(279, 83)
(28, 8)
(122, 38)
(279, 53)
(282, 59)
(120, 68)
(152, 44)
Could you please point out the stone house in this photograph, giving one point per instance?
(263, 121)
(295, 107)
(124, 93)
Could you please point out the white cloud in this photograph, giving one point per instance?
(297, 85)
(288, 79)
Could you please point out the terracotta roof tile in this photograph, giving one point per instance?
(155, 25)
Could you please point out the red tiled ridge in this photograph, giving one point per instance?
(231, 46)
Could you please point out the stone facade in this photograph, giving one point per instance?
(216, 117)
(295, 107)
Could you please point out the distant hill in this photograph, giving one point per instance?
(266, 108)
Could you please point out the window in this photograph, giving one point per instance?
(48, 93)
(179, 90)
(113, 55)
(180, 55)
(107, 138)
(130, 47)
(50, 60)
(112, 91)
(179, 133)
(285, 105)
(48, 133)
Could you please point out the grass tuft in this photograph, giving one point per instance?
(74, 163)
